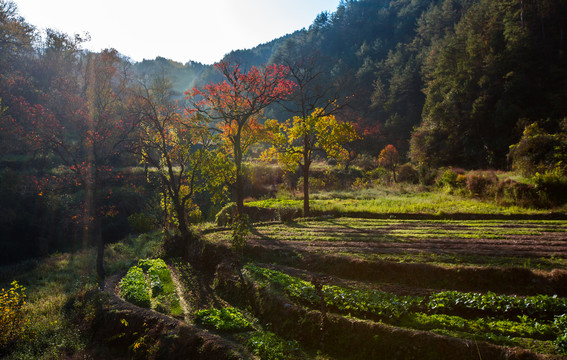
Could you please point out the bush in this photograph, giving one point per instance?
(510, 192)
(262, 179)
(226, 215)
(240, 232)
(12, 315)
(452, 180)
(289, 213)
(551, 187)
(134, 289)
(408, 174)
(380, 174)
(365, 162)
(538, 151)
(482, 183)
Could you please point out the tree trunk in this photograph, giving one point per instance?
(181, 219)
(305, 190)
(100, 256)
(239, 193)
(239, 180)
(94, 231)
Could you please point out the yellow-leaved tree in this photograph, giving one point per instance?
(295, 141)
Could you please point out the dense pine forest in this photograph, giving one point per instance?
(415, 119)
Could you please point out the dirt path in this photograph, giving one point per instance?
(179, 289)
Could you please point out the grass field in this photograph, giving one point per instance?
(401, 201)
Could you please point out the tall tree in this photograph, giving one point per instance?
(87, 130)
(177, 145)
(316, 99)
(294, 143)
(233, 105)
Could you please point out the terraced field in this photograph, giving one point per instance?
(533, 244)
(404, 289)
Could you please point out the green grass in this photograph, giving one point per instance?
(52, 282)
(396, 201)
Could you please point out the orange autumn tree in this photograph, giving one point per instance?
(389, 158)
(234, 106)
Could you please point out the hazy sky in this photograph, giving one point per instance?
(182, 30)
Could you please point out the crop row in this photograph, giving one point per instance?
(155, 290)
(499, 318)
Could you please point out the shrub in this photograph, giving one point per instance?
(134, 289)
(408, 174)
(225, 319)
(360, 183)
(12, 315)
(289, 213)
(240, 232)
(538, 151)
(226, 215)
(551, 187)
(379, 174)
(510, 192)
(262, 179)
(452, 180)
(481, 183)
(365, 162)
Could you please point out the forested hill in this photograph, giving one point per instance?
(457, 79)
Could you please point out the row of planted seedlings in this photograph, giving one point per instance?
(537, 323)
(149, 284)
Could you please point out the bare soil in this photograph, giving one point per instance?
(551, 242)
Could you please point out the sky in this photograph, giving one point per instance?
(181, 30)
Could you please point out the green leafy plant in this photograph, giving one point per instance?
(560, 342)
(538, 306)
(225, 319)
(269, 346)
(134, 289)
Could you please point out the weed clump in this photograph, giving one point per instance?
(12, 314)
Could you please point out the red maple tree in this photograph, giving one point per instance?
(234, 105)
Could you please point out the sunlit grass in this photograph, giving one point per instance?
(398, 201)
(51, 282)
